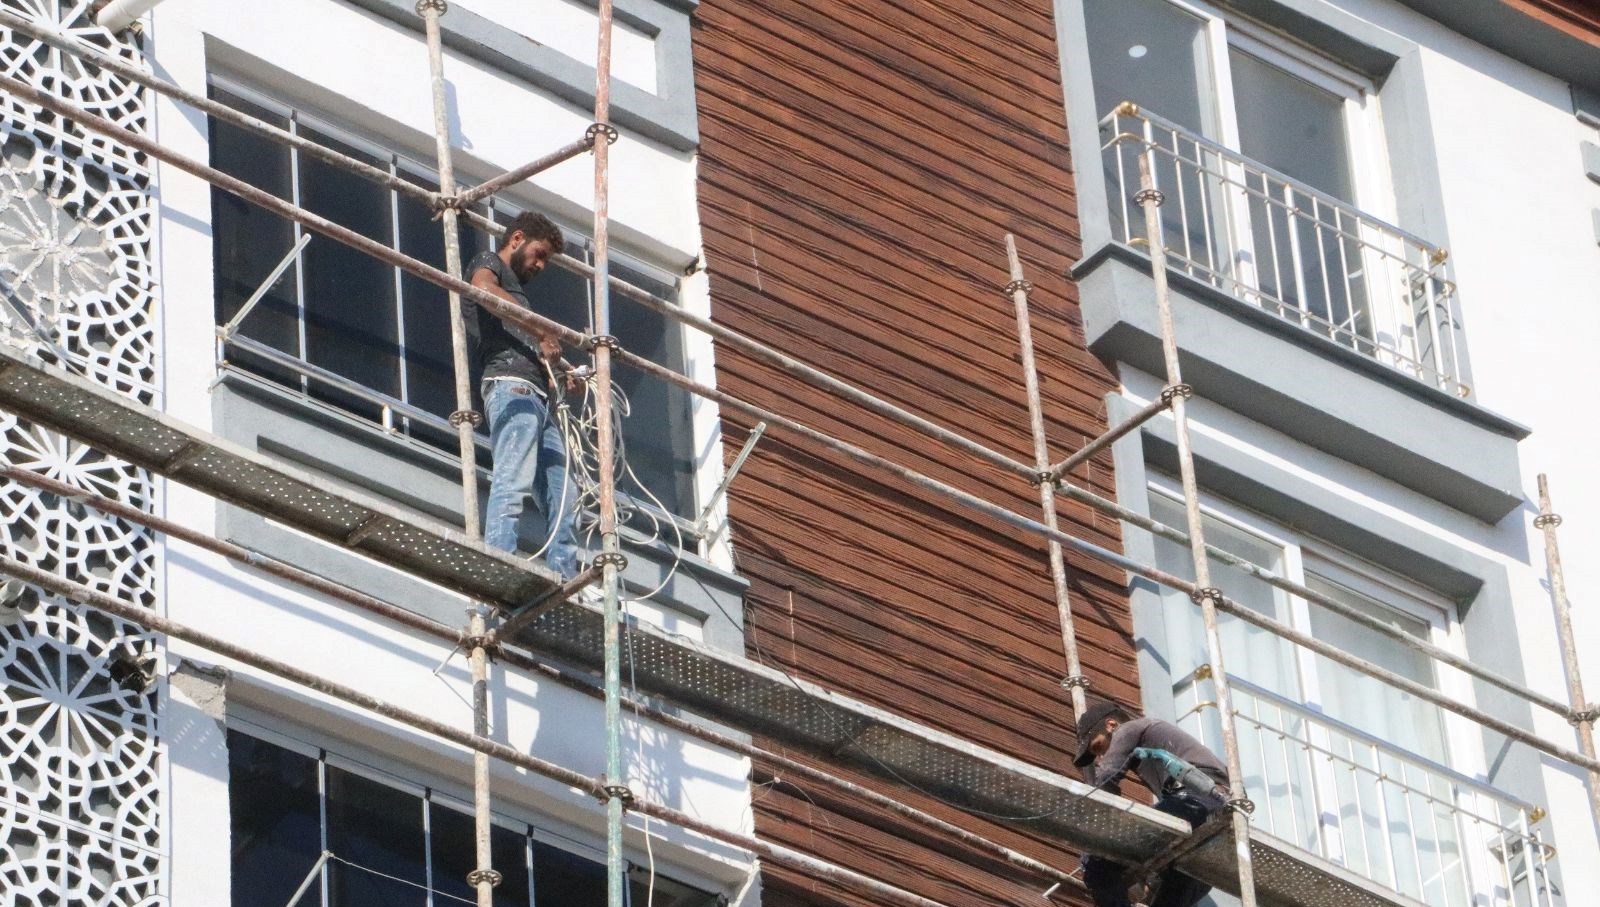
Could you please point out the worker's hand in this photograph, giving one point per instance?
(550, 348)
(573, 384)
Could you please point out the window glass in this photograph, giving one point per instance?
(564, 879)
(379, 830)
(1291, 125)
(349, 296)
(658, 432)
(1153, 54)
(452, 839)
(276, 822)
(248, 241)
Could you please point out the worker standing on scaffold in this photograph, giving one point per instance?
(520, 388)
(1189, 782)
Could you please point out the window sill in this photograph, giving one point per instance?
(1305, 386)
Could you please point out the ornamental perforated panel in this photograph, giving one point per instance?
(80, 758)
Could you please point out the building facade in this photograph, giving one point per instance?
(1382, 222)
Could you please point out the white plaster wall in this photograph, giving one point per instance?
(363, 71)
(570, 28)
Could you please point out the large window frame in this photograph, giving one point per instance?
(402, 415)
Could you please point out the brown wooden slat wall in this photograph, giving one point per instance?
(860, 164)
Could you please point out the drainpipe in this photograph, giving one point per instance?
(119, 14)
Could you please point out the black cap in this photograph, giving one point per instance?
(1089, 725)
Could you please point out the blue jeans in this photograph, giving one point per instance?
(530, 462)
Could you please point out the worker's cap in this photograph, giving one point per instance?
(1089, 725)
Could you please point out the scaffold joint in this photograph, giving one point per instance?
(1546, 519)
(1025, 286)
(1200, 595)
(1174, 391)
(1243, 804)
(1075, 681)
(1586, 715)
(478, 876)
(470, 641)
(611, 558)
(439, 6)
(596, 130)
(609, 341)
(1044, 477)
(618, 792)
(1150, 195)
(466, 416)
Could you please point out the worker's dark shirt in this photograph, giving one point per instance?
(502, 350)
(1156, 734)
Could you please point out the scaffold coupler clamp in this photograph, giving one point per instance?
(1173, 391)
(595, 341)
(1075, 681)
(478, 876)
(1150, 195)
(1242, 804)
(1547, 519)
(443, 203)
(1012, 288)
(610, 558)
(466, 417)
(1586, 715)
(617, 792)
(437, 5)
(1199, 595)
(595, 130)
(1044, 477)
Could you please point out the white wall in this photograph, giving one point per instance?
(360, 70)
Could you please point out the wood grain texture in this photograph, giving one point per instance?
(860, 165)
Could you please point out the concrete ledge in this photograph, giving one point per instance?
(1306, 386)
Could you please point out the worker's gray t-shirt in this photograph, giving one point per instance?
(1155, 734)
(503, 351)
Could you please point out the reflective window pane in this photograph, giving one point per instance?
(248, 242)
(564, 879)
(376, 832)
(275, 820)
(1153, 54)
(657, 433)
(351, 323)
(452, 838)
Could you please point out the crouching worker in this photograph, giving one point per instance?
(1189, 782)
(523, 377)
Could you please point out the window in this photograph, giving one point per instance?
(393, 844)
(353, 333)
(1337, 761)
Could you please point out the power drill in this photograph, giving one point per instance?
(1180, 771)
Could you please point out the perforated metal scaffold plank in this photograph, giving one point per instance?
(725, 688)
(429, 549)
(739, 693)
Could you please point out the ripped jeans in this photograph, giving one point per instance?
(530, 463)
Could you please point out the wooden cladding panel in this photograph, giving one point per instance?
(859, 168)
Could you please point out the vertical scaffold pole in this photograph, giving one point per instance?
(1076, 682)
(1583, 713)
(610, 557)
(483, 877)
(1206, 596)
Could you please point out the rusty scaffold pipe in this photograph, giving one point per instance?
(1583, 711)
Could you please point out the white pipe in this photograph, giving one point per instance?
(119, 14)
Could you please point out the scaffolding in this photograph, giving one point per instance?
(525, 612)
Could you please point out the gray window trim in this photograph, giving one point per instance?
(667, 116)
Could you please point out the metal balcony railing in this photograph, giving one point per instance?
(1298, 253)
(1400, 819)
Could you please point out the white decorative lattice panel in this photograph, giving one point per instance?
(80, 757)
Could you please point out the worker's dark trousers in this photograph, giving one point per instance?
(1108, 881)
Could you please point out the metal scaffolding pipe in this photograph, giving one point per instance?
(476, 742)
(1076, 682)
(1206, 596)
(533, 322)
(483, 878)
(1583, 712)
(512, 177)
(1112, 436)
(505, 652)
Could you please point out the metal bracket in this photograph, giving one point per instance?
(477, 641)
(1586, 715)
(609, 341)
(466, 415)
(1075, 680)
(1044, 477)
(1546, 519)
(610, 558)
(1150, 195)
(133, 673)
(478, 876)
(1174, 391)
(439, 6)
(1200, 595)
(596, 130)
(1015, 285)
(1244, 805)
(618, 792)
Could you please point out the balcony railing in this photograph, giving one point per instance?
(1298, 253)
(1404, 821)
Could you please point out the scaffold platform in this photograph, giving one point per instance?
(726, 688)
